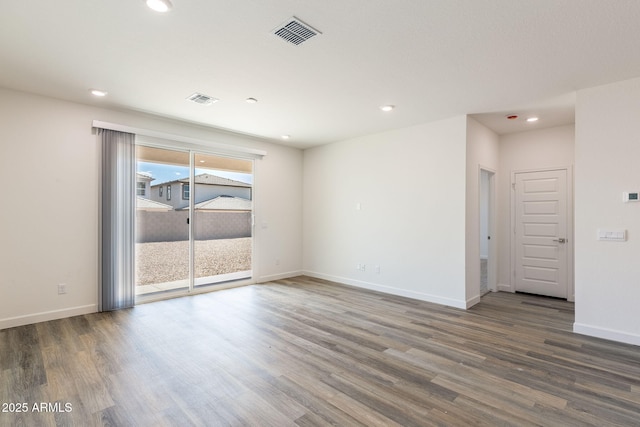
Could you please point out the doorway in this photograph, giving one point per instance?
(194, 215)
(542, 232)
(487, 227)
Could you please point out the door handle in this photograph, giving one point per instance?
(560, 240)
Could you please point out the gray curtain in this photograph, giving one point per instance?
(118, 220)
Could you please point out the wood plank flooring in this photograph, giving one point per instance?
(307, 352)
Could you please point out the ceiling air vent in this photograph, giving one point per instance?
(295, 31)
(199, 98)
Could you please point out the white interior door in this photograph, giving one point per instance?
(541, 250)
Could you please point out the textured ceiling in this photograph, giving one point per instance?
(431, 58)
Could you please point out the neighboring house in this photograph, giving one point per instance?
(143, 184)
(223, 209)
(207, 187)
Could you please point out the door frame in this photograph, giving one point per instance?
(570, 228)
(492, 264)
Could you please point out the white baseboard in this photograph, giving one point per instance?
(472, 301)
(607, 334)
(28, 319)
(504, 288)
(389, 290)
(279, 276)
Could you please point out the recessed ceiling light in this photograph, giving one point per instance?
(201, 161)
(286, 136)
(96, 92)
(159, 5)
(532, 119)
(387, 108)
(251, 100)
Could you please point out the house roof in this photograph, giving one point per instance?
(224, 203)
(149, 205)
(144, 176)
(206, 178)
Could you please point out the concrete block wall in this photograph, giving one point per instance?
(172, 226)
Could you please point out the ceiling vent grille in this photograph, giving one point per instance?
(295, 31)
(199, 98)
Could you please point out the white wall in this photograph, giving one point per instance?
(535, 149)
(48, 152)
(278, 209)
(482, 152)
(607, 153)
(410, 186)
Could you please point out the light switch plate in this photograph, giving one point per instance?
(612, 235)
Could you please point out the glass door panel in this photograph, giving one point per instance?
(222, 226)
(162, 212)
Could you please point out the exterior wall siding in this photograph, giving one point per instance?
(203, 192)
(172, 226)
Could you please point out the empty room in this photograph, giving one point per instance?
(352, 213)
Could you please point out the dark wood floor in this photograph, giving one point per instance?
(304, 352)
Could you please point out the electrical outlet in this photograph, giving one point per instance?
(62, 288)
(377, 269)
(277, 262)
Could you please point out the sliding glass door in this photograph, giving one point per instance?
(193, 220)
(222, 212)
(162, 229)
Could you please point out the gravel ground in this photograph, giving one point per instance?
(160, 262)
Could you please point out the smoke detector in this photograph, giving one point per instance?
(294, 31)
(199, 98)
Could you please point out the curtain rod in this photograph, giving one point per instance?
(227, 148)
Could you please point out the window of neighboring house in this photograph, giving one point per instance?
(168, 192)
(185, 192)
(140, 188)
(160, 191)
